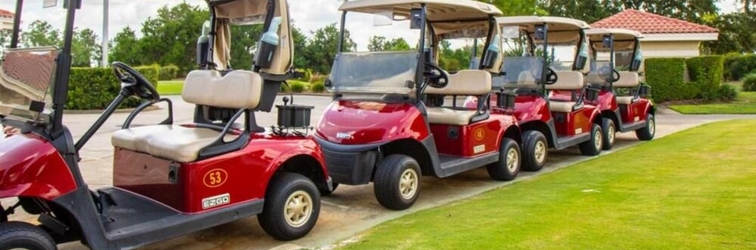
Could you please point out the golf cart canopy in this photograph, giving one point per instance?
(624, 39)
(437, 10)
(240, 11)
(555, 23)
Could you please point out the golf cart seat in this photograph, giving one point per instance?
(238, 89)
(568, 80)
(627, 80)
(464, 82)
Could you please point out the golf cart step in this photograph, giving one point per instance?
(569, 141)
(451, 165)
(626, 127)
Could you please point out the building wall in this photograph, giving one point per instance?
(670, 49)
(6, 22)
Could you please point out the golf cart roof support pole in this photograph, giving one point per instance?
(420, 50)
(339, 47)
(211, 39)
(489, 39)
(545, 66)
(635, 52)
(17, 24)
(611, 62)
(60, 94)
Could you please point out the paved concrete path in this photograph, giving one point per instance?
(350, 209)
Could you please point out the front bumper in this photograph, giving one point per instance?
(349, 164)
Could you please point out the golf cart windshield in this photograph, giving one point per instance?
(26, 77)
(519, 71)
(374, 72)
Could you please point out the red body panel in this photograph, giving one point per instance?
(475, 139)
(574, 123)
(636, 111)
(363, 122)
(243, 174)
(31, 166)
(531, 107)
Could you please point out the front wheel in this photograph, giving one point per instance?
(21, 235)
(593, 146)
(610, 131)
(292, 206)
(397, 182)
(647, 133)
(508, 166)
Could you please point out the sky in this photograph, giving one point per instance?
(308, 16)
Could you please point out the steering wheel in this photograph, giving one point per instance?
(438, 78)
(606, 72)
(551, 76)
(136, 83)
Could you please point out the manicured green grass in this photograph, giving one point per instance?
(745, 104)
(170, 87)
(690, 190)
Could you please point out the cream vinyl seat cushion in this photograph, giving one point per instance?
(450, 116)
(464, 82)
(625, 99)
(563, 107)
(173, 142)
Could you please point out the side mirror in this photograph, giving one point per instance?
(416, 18)
(606, 41)
(540, 32)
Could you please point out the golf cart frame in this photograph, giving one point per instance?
(632, 112)
(169, 180)
(384, 130)
(548, 123)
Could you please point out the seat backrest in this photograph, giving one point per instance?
(465, 82)
(567, 80)
(627, 80)
(237, 89)
(526, 80)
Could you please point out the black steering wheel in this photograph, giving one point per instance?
(134, 82)
(551, 75)
(437, 77)
(607, 72)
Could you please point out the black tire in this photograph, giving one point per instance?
(610, 133)
(397, 182)
(535, 150)
(647, 133)
(286, 189)
(21, 235)
(324, 192)
(508, 166)
(593, 146)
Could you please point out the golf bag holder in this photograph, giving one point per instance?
(294, 116)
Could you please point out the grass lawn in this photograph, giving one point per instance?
(745, 104)
(170, 87)
(690, 190)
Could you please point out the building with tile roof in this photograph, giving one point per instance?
(662, 36)
(6, 19)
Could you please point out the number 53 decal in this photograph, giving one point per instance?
(215, 178)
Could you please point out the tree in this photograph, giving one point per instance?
(594, 10)
(322, 48)
(735, 34)
(380, 43)
(125, 48)
(244, 39)
(517, 7)
(300, 44)
(84, 48)
(171, 37)
(41, 33)
(5, 37)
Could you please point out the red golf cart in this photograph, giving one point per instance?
(554, 58)
(169, 179)
(616, 60)
(381, 128)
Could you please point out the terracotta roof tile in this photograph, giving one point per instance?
(6, 13)
(648, 23)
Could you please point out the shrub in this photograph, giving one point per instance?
(151, 73)
(94, 88)
(667, 78)
(726, 92)
(169, 72)
(706, 74)
(317, 87)
(306, 75)
(740, 66)
(297, 87)
(729, 59)
(318, 78)
(284, 88)
(749, 82)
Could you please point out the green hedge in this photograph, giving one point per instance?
(706, 73)
(667, 79)
(739, 66)
(749, 82)
(169, 72)
(95, 88)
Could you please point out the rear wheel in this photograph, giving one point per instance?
(292, 206)
(647, 133)
(610, 131)
(593, 146)
(535, 149)
(397, 182)
(508, 166)
(21, 235)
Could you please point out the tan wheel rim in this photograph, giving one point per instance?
(651, 127)
(610, 134)
(408, 184)
(599, 140)
(513, 160)
(298, 208)
(540, 151)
